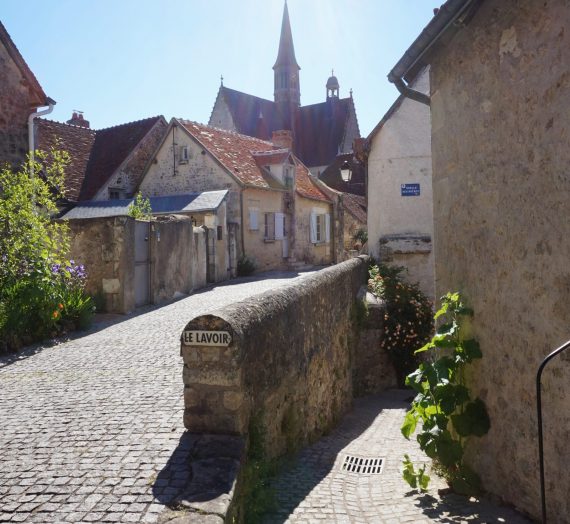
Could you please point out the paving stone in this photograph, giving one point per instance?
(96, 418)
(315, 489)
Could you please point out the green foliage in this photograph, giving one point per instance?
(140, 209)
(41, 292)
(258, 494)
(361, 236)
(417, 480)
(443, 407)
(245, 266)
(408, 320)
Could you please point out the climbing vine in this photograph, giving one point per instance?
(443, 410)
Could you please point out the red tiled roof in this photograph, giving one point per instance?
(111, 148)
(77, 141)
(35, 87)
(305, 186)
(95, 155)
(265, 158)
(233, 151)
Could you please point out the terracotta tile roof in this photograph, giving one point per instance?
(77, 141)
(319, 128)
(269, 158)
(95, 155)
(233, 151)
(304, 186)
(111, 148)
(356, 206)
(35, 87)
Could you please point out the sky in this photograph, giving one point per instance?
(124, 60)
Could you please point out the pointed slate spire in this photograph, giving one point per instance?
(286, 54)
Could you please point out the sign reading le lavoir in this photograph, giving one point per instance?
(206, 338)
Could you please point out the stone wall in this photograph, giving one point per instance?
(500, 117)
(288, 365)
(15, 106)
(106, 246)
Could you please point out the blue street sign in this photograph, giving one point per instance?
(410, 189)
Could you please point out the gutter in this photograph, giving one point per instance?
(452, 13)
(31, 118)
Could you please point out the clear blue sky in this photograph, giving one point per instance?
(123, 60)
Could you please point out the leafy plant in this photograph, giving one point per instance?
(245, 266)
(140, 209)
(33, 296)
(361, 236)
(416, 479)
(443, 406)
(408, 320)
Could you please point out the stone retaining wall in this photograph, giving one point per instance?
(288, 366)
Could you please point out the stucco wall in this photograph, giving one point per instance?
(106, 246)
(15, 102)
(400, 153)
(267, 254)
(293, 377)
(305, 250)
(500, 116)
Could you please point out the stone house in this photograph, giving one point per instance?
(400, 217)
(20, 96)
(105, 163)
(276, 214)
(500, 108)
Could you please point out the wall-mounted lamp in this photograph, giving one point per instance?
(346, 171)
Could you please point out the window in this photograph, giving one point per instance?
(320, 227)
(253, 219)
(116, 193)
(280, 231)
(269, 230)
(183, 155)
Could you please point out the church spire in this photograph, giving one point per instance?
(287, 93)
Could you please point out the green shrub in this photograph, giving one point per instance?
(245, 266)
(140, 209)
(443, 410)
(41, 292)
(408, 322)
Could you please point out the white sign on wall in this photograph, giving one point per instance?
(206, 338)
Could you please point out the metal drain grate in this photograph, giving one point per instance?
(362, 465)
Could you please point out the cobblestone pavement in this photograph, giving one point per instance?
(88, 426)
(314, 489)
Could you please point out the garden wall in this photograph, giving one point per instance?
(106, 246)
(283, 359)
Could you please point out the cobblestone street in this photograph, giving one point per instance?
(87, 426)
(315, 488)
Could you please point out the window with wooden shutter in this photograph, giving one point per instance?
(279, 226)
(313, 227)
(327, 228)
(269, 226)
(253, 219)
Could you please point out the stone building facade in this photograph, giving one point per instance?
(500, 103)
(20, 95)
(400, 208)
(276, 215)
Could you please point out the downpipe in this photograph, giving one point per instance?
(31, 117)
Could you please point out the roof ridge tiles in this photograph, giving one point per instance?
(157, 117)
(73, 126)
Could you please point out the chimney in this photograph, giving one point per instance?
(282, 139)
(78, 120)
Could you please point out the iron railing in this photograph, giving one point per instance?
(539, 417)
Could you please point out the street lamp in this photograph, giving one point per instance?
(346, 171)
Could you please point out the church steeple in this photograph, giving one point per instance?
(286, 72)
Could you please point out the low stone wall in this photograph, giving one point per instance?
(282, 360)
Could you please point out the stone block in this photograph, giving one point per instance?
(212, 375)
(233, 400)
(111, 285)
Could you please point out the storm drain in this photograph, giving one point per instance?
(362, 465)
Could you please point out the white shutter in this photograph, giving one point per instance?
(279, 220)
(313, 228)
(328, 228)
(253, 219)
